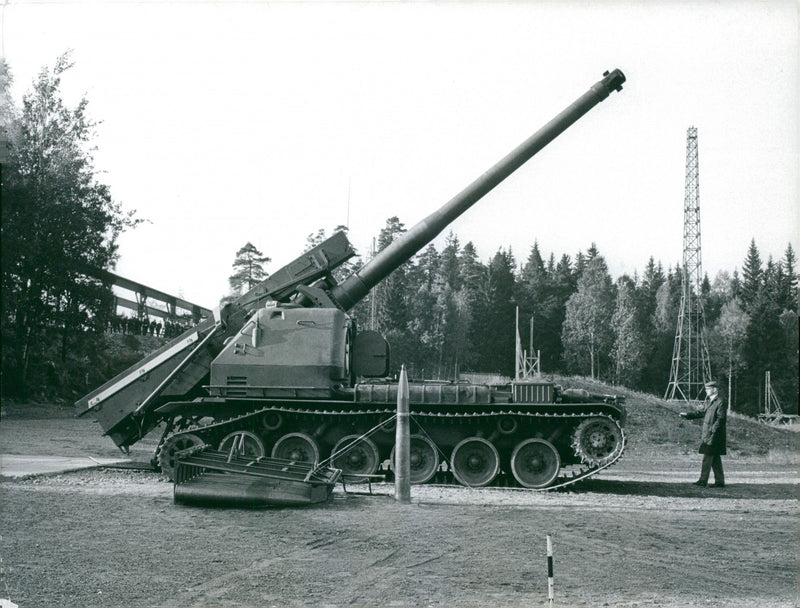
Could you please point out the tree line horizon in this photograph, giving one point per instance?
(445, 312)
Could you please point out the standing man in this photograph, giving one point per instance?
(713, 438)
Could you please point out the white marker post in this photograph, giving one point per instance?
(549, 571)
(402, 442)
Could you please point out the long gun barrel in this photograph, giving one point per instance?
(355, 287)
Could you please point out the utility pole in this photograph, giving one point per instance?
(691, 367)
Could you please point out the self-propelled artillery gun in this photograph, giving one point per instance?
(284, 372)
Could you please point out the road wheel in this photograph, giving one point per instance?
(475, 462)
(243, 443)
(360, 458)
(423, 459)
(298, 447)
(535, 463)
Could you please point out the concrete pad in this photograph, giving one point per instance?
(17, 466)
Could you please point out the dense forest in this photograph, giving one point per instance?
(447, 312)
(443, 312)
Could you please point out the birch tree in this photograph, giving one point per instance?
(629, 345)
(726, 340)
(586, 334)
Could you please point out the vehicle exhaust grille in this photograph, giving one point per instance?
(236, 381)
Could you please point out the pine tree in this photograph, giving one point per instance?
(471, 268)
(392, 296)
(790, 264)
(736, 285)
(426, 314)
(248, 269)
(449, 262)
(533, 273)
(535, 297)
(646, 298)
(752, 276)
(580, 264)
(455, 352)
(788, 383)
(492, 328)
(428, 264)
(468, 301)
(766, 347)
(535, 281)
(788, 295)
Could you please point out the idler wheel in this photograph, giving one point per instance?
(597, 441)
(173, 445)
(423, 459)
(535, 463)
(296, 446)
(244, 443)
(360, 458)
(475, 462)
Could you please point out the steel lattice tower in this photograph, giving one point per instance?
(690, 362)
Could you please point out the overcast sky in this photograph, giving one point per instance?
(228, 122)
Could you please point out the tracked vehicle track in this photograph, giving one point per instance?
(596, 439)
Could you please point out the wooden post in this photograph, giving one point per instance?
(402, 464)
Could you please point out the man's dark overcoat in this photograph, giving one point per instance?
(715, 417)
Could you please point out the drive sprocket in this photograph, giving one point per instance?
(598, 440)
(171, 446)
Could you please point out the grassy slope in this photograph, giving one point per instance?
(654, 428)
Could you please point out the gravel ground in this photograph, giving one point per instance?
(638, 535)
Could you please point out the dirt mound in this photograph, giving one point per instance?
(654, 428)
